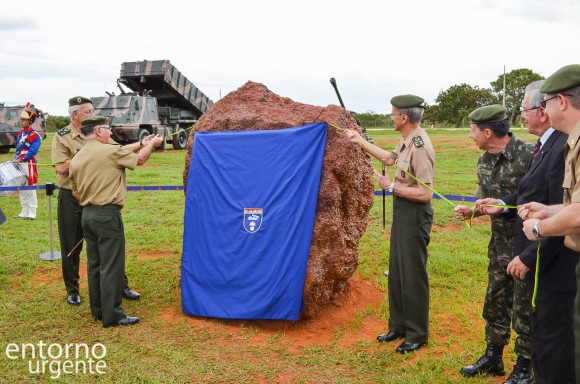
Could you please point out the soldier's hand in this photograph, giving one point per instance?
(351, 134)
(146, 140)
(482, 206)
(463, 212)
(157, 141)
(533, 211)
(517, 269)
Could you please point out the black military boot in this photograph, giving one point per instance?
(491, 363)
(522, 373)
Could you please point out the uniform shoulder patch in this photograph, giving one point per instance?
(418, 141)
(63, 131)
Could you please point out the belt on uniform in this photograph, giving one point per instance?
(103, 207)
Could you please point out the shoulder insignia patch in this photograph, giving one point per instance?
(418, 141)
(63, 131)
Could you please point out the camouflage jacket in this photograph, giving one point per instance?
(498, 175)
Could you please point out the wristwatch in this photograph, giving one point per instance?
(536, 231)
(391, 187)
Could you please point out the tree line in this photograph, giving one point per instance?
(454, 104)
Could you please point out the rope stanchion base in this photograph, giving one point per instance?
(50, 255)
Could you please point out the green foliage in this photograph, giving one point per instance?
(458, 101)
(370, 119)
(516, 82)
(54, 123)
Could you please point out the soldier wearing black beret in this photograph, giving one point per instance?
(65, 144)
(411, 225)
(562, 103)
(499, 170)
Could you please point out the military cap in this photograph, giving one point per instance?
(489, 114)
(95, 120)
(564, 78)
(406, 101)
(78, 100)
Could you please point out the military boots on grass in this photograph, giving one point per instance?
(491, 363)
(522, 373)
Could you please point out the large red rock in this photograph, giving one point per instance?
(346, 188)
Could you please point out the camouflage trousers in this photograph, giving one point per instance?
(507, 301)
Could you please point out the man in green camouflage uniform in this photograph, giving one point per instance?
(499, 170)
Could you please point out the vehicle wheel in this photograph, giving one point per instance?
(143, 133)
(5, 149)
(180, 139)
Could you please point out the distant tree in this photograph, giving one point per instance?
(1, 104)
(515, 85)
(455, 103)
(370, 119)
(54, 123)
(430, 117)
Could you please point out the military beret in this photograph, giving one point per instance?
(564, 78)
(406, 101)
(488, 114)
(95, 120)
(78, 100)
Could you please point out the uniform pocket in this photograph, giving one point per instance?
(108, 225)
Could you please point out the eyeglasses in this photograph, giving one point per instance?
(524, 110)
(397, 114)
(543, 102)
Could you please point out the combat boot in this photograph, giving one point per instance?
(522, 373)
(491, 363)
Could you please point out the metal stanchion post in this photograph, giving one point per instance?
(51, 255)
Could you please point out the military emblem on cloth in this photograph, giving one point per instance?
(418, 141)
(253, 219)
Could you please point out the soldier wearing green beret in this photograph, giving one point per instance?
(562, 103)
(499, 170)
(65, 144)
(411, 225)
(97, 176)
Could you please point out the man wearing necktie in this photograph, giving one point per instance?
(499, 170)
(551, 321)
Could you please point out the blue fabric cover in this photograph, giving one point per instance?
(249, 216)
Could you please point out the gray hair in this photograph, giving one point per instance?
(72, 109)
(415, 113)
(534, 94)
(575, 98)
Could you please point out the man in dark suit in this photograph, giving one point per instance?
(551, 321)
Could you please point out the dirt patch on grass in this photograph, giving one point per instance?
(346, 323)
(154, 255)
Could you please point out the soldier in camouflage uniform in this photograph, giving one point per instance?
(499, 170)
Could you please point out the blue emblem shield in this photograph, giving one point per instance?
(253, 219)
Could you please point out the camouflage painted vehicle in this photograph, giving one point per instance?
(163, 101)
(10, 126)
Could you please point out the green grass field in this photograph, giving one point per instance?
(169, 347)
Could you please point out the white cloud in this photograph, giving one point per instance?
(375, 49)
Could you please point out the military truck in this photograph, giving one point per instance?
(162, 101)
(10, 125)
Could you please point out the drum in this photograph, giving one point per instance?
(11, 175)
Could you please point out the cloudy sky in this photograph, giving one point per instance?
(52, 50)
